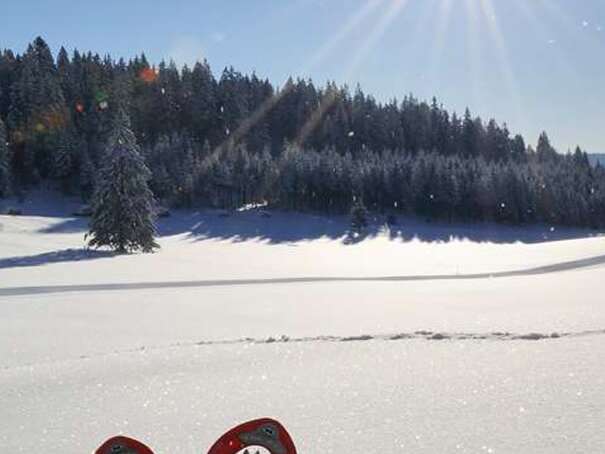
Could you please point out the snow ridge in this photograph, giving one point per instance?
(421, 335)
(417, 335)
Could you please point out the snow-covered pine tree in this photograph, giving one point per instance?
(63, 158)
(359, 217)
(37, 112)
(186, 176)
(123, 215)
(86, 175)
(4, 163)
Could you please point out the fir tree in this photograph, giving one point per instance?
(5, 177)
(63, 159)
(86, 175)
(9, 71)
(545, 150)
(37, 114)
(359, 217)
(199, 103)
(123, 214)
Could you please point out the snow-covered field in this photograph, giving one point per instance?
(415, 340)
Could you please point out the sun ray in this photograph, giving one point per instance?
(377, 33)
(512, 86)
(381, 27)
(441, 29)
(319, 56)
(350, 26)
(473, 49)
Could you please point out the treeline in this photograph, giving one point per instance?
(238, 139)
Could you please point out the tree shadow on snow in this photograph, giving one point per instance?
(441, 232)
(277, 227)
(253, 225)
(48, 258)
(69, 225)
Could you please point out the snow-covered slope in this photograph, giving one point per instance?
(203, 245)
(417, 339)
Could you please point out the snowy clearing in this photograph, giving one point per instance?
(400, 396)
(429, 338)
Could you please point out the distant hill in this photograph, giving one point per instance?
(597, 157)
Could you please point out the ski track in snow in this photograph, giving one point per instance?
(548, 269)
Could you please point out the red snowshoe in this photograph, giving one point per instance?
(266, 433)
(123, 445)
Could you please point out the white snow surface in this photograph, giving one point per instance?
(255, 317)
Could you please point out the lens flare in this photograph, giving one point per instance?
(100, 96)
(54, 119)
(18, 137)
(148, 75)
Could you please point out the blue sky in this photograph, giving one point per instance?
(534, 64)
